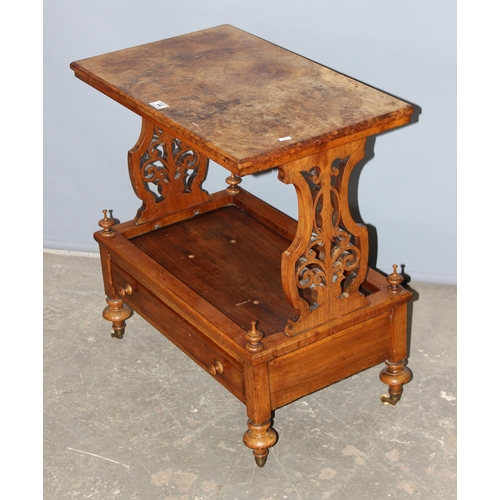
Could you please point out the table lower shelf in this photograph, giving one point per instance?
(228, 258)
(202, 280)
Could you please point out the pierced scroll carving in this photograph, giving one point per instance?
(324, 267)
(166, 173)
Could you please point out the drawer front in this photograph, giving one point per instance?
(222, 366)
(318, 365)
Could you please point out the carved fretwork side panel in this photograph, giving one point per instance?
(166, 174)
(327, 262)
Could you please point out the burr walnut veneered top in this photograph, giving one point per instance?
(247, 103)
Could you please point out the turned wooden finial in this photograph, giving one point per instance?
(233, 180)
(254, 338)
(106, 223)
(394, 279)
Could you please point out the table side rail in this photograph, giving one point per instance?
(332, 359)
(217, 200)
(379, 302)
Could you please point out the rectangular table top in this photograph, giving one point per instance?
(246, 103)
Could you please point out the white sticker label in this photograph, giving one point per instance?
(287, 138)
(158, 104)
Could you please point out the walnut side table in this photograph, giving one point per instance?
(272, 308)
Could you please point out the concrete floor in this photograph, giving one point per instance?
(137, 419)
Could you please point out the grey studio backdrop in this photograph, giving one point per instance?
(406, 192)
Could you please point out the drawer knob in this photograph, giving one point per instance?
(215, 369)
(127, 290)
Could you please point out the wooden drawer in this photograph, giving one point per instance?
(220, 364)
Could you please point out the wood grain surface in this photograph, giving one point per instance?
(213, 254)
(246, 103)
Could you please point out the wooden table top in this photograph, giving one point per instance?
(246, 103)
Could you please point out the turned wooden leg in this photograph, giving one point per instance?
(395, 375)
(260, 437)
(117, 312)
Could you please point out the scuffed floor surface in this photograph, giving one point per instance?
(137, 419)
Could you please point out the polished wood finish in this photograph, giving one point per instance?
(327, 262)
(166, 174)
(272, 308)
(212, 253)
